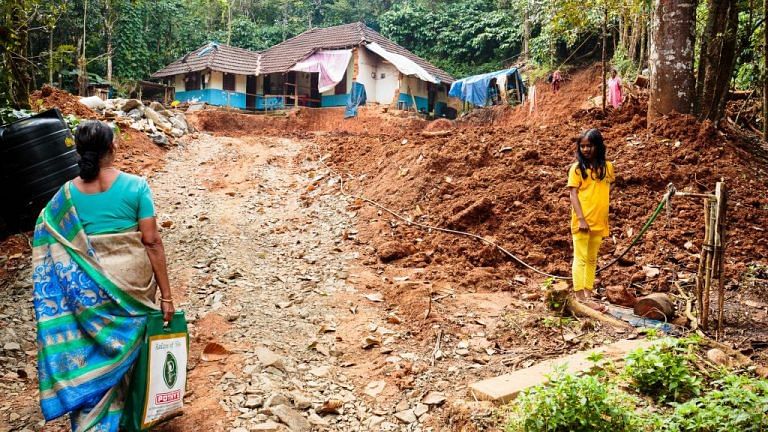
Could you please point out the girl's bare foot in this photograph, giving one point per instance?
(585, 297)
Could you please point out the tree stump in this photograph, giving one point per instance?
(560, 298)
(657, 306)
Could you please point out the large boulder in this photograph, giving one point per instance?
(126, 105)
(159, 120)
(93, 102)
(179, 122)
(136, 114)
(159, 139)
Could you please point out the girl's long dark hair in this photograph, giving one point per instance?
(597, 164)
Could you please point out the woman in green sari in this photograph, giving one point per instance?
(98, 262)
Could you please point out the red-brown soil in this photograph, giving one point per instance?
(51, 97)
(514, 172)
(501, 173)
(136, 154)
(369, 121)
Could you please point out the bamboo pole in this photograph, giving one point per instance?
(700, 276)
(708, 263)
(722, 206)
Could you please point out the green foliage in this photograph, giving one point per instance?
(72, 121)
(736, 403)
(665, 371)
(463, 37)
(9, 115)
(574, 404)
(624, 65)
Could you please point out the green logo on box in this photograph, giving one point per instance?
(170, 370)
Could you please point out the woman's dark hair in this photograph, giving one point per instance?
(597, 164)
(94, 142)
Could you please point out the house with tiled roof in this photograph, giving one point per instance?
(316, 68)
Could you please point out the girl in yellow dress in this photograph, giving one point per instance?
(589, 181)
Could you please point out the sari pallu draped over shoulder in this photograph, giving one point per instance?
(91, 299)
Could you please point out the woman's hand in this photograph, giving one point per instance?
(583, 226)
(168, 310)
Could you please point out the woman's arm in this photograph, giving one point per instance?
(154, 245)
(583, 226)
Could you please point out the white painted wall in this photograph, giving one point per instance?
(240, 83)
(417, 87)
(217, 82)
(386, 86)
(368, 62)
(178, 82)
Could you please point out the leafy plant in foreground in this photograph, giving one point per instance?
(664, 371)
(573, 404)
(737, 403)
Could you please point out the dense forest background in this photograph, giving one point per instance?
(47, 41)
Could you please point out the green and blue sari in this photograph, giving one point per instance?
(92, 295)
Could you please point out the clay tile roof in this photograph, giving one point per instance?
(281, 57)
(216, 57)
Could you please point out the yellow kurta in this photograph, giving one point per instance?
(594, 198)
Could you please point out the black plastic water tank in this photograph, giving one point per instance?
(37, 156)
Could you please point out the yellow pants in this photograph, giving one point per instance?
(585, 248)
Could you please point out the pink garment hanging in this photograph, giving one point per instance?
(331, 65)
(614, 87)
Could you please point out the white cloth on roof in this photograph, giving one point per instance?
(402, 63)
(331, 65)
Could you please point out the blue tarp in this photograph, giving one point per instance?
(356, 98)
(474, 89)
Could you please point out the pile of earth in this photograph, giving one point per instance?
(507, 182)
(51, 97)
(136, 154)
(370, 120)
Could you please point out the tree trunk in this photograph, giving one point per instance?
(16, 57)
(109, 59)
(50, 58)
(82, 62)
(526, 32)
(632, 43)
(671, 57)
(717, 59)
(642, 41)
(605, 72)
(110, 17)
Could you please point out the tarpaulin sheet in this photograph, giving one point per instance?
(405, 65)
(331, 65)
(474, 89)
(357, 97)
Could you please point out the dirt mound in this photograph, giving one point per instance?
(369, 121)
(440, 125)
(507, 181)
(137, 154)
(50, 97)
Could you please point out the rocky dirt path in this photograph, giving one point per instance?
(255, 262)
(263, 260)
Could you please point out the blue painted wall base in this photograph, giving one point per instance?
(213, 97)
(406, 101)
(334, 100)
